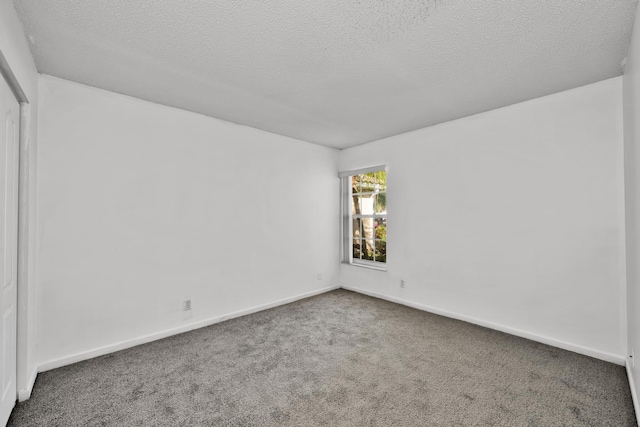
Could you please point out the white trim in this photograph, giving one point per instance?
(100, 351)
(26, 394)
(371, 265)
(11, 79)
(26, 316)
(587, 351)
(362, 171)
(634, 395)
(22, 378)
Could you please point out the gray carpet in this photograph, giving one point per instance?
(338, 359)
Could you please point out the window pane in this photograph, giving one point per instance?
(367, 249)
(355, 183)
(380, 203)
(366, 204)
(381, 180)
(367, 228)
(368, 182)
(380, 225)
(369, 235)
(356, 248)
(381, 251)
(357, 232)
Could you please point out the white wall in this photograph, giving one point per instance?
(142, 206)
(15, 49)
(512, 218)
(631, 89)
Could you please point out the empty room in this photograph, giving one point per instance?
(329, 213)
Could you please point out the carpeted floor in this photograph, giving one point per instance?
(338, 359)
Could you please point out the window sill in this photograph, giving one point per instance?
(368, 266)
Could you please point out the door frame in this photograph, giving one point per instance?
(23, 381)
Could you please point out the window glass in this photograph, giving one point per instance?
(367, 211)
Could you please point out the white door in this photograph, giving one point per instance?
(9, 137)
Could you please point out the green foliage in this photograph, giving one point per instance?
(369, 249)
(369, 182)
(381, 251)
(380, 202)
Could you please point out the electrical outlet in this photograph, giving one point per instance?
(319, 276)
(402, 283)
(186, 305)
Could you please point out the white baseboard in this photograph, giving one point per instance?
(100, 351)
(26, 394)
(602, 355)
(634, 395)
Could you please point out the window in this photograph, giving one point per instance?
(364, 226)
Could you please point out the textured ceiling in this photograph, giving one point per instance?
(334, 72)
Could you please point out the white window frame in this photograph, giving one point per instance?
(347, 219)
